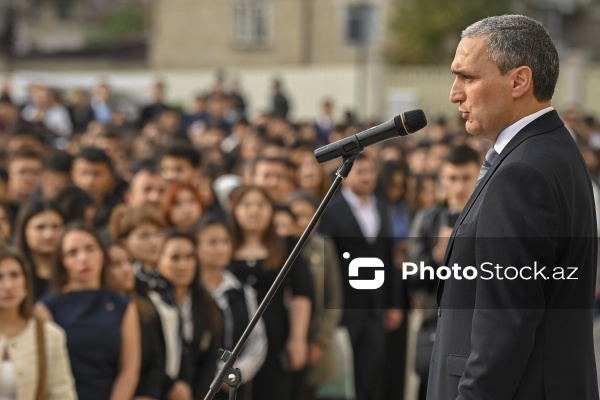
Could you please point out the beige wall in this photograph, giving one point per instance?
(199, 33)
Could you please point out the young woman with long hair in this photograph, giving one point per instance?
(119, 277)
(237, 301)
(24, 375)
(200, 321)
(258, 254)
(38, 229)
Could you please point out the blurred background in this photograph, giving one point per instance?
(373, 58)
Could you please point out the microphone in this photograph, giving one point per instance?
(401, 125)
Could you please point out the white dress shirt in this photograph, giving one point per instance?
(510, 132)
(366, 214)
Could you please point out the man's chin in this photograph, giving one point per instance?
(471, 128)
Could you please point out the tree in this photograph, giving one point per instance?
(427, 31)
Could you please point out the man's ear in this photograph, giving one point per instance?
(522, 81)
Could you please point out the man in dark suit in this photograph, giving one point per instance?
(517, 338)
(357, 222)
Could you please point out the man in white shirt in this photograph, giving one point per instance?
(357, 222)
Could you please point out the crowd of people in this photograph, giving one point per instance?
(132, 250)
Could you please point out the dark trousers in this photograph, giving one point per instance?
(368, 344)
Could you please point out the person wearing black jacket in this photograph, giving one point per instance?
(237, 301)
(356, 221)
(200, 318)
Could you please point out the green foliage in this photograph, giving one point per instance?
(117, 24)
(427, 31)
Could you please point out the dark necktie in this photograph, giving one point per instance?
(490, 157)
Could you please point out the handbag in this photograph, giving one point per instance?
(41, 349)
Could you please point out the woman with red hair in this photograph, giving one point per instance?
(184, 206)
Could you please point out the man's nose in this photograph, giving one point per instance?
(456, 93)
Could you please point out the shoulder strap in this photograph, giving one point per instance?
(41, 349)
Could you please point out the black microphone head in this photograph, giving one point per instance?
(410, 121)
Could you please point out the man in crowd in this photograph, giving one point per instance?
(93, 172)
(432, 227)
(356, 220)
(147, 188)
(181, 163)
(25, 168)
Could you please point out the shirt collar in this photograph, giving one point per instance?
(511, 131)
(228, 282)
(354, 201)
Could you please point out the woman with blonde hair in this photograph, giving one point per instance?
(34, 363)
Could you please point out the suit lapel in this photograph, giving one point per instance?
(547, 122)
(352, 222)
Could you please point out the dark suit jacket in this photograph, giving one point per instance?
(338, 223)
(522, 339)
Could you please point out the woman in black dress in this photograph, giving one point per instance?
(257, 258)
(120, 277)
(102, 328)
(237, 301)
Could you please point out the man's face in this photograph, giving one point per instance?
(96, 178)
(270, 175)
(178, 169)
(149, 190)
(481, 92)
(363, 177)
(24, 177)
(459, 182)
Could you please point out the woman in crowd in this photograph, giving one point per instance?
(422, 192)
(258, 254)
(393, 181)
(184, 206)
(310, 175)
(237, 301)
(284, 221)
(201, 323)
(23, 374)
(320, 254)
(39, 226)
(102, 327)
(141, 231)
(120, 277)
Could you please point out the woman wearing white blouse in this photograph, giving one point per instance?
(20, 338)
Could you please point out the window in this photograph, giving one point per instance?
(360, 26)
(251, 23)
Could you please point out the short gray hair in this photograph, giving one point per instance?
(516, 40)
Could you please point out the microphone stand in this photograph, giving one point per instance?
(227, 373)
